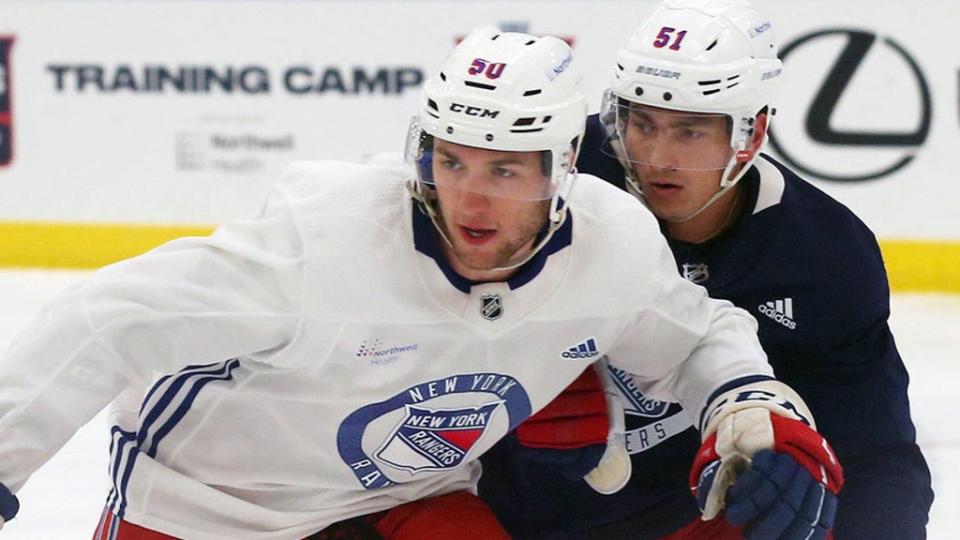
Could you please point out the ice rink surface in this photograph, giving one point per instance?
(63, 500)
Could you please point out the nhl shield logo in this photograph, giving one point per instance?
(491, 306)
(436, 439)
(6, 105)
(697, 273)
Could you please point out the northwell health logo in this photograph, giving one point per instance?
(378, 354)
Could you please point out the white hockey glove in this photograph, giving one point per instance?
(762, 459)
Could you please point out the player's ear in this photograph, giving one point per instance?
(756, 139)
(574, 151)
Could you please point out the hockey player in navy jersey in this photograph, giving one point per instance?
(681, 128)
(349, 354)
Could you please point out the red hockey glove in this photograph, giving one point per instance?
(577, 431)
(577, 418)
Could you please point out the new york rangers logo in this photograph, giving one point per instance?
(434, 439)
(6, 105)
(490, 70)
(430, 427)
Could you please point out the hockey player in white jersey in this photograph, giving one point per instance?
(353, 350)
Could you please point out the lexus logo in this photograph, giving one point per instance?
(883, 88)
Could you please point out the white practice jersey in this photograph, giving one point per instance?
(323, 362)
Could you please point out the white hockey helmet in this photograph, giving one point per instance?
(504, 91)
(697, 56)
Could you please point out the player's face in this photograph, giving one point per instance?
(678, 158)
(488, 231)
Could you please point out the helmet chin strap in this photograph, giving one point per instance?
(417, 194)
(725, 186)
(554, 225)
(743, 131)
(557, 217)
(726, 182)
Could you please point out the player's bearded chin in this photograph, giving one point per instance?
(511, 245)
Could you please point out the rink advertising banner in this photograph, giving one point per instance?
(135, 120)
(862, 152)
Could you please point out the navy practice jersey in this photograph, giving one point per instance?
(811, 273)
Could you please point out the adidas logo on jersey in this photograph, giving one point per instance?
(780, 311)
(585, 349)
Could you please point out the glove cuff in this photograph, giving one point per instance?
(614, 470)
(771, 395)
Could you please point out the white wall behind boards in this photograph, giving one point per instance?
(186, 112)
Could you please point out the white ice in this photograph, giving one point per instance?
(64, 498)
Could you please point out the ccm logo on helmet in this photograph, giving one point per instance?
(470, 110)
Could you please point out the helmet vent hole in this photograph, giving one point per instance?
(708, 83)
(733, 77)
(531, 42)
(619, 67)
(712, 45)
(450, 130)
(494, 38)
(443, 76)
(667, 96)
(432, 104)
(522, 125)
(547, 119)
(732, 85)
(489, 137)
(638, 91)
(480, 85)
(711, 92)
(534, 92)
